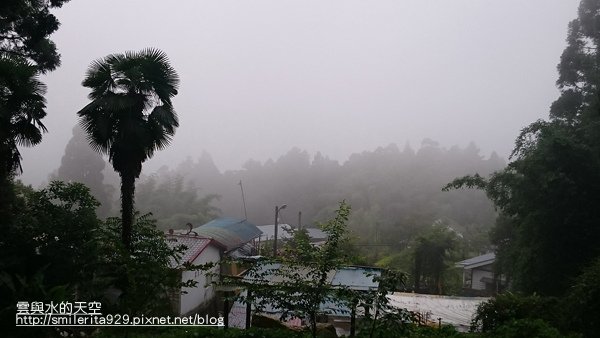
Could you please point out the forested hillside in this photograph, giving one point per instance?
(394, 193)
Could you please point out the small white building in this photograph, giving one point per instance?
(478, 274)
(198, 251)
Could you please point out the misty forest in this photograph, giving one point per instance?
(516, 233)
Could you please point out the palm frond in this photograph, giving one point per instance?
(124, 87)
(165, 117)
(27, 134)
(22, 106)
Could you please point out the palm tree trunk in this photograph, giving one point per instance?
(127, 192)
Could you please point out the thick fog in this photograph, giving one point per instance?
(261, 77)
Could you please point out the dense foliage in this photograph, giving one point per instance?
(173, 202)
(25, 52)
(549, 193)
(505, 308)
(395, 195)
(298, 282)
(581, 306)
(140, 281)
(58, 250)
(25, 28)
(432, 256)
(43, 258)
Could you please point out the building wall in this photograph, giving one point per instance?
(477, 284)
(202, 294)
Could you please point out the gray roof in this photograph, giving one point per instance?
(474, 262)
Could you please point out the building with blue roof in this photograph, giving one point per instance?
(232, 233)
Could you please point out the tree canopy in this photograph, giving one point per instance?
(25, 28)
(130, 115)
(550, 192)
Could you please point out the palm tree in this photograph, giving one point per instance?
(22, 107)
(130, 116)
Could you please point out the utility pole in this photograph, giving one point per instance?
(277, 209)
(243, 201)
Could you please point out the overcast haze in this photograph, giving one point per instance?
(261, 77)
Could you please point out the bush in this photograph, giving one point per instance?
(505, 308)
(526, 328)
(582, 303)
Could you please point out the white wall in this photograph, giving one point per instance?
(203, 292)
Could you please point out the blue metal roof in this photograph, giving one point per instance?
(356, 278)
(230, 232)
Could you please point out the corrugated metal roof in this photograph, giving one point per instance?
(230, 232)
(356, 278)
(266, 272)
(477, 261)
(353, 277)
(194, 246)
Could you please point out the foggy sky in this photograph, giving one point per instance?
(261, 77)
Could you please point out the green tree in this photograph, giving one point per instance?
(25, 27)
(549, 194)
(140, 278)
(173, 201)
(25, 51)
(22, 107)
(82, 164)
(51, 251)
(131, 115)
(581, 306)
(431, 258)
(302, 275)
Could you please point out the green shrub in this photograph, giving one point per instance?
(581, 305)
(526, 328)
(508, 307)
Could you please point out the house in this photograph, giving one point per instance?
(233, 233)
(209, 243)
(237, 236)
(479, 277)
(197, 250)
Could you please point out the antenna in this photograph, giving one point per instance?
(243, 200)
